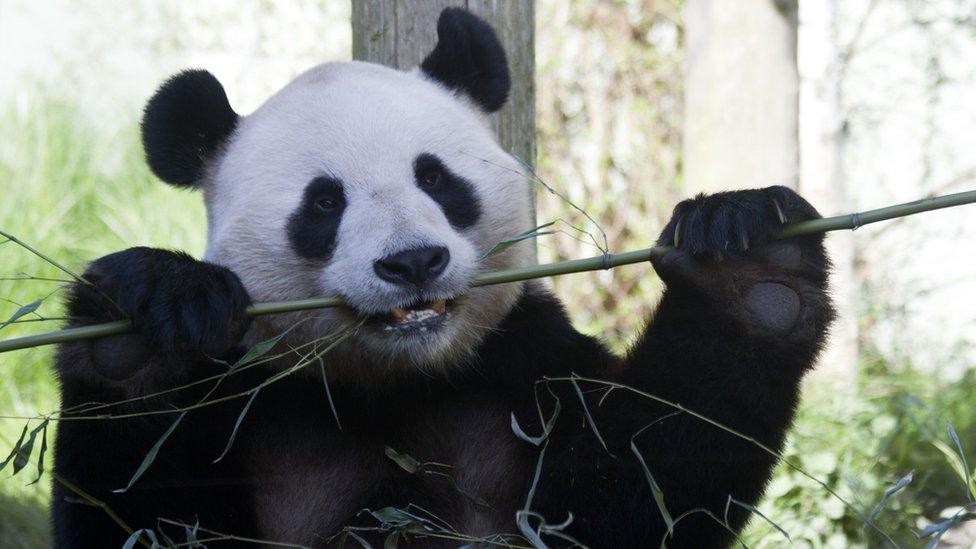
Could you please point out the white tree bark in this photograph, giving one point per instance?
(740, 94)
(743, 125)
(823, 136)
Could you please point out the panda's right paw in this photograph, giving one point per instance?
(175, 302)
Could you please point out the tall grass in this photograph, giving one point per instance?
(75, 190)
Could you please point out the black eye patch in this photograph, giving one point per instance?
(454, 194)
(312, 227)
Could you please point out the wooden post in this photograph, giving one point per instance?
(399, 33)
(741, 90)
(823, 138)
(742, 125)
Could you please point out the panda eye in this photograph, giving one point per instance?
(327, 204)
(431, 179)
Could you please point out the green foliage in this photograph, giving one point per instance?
(863, 445)
(609, 139)
(77, 191)
(151, 455)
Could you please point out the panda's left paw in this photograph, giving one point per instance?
(721, 254)
(729, 224)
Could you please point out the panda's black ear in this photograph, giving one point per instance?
(184, 125)
(469, 58)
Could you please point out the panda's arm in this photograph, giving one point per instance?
(185, 312)
(177, 304)
(730, 340)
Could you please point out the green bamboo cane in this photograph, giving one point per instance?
(600, 262)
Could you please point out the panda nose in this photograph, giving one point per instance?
(416, 266)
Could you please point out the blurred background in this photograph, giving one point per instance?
(858, 104)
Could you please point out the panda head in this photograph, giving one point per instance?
(381, 187)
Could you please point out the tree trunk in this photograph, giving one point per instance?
(740, 95)
(823, 136)
(743, 124)
(399, 33)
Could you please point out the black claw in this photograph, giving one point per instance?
(677, 232)
(177, 302)
(779, 211)
(731, 223)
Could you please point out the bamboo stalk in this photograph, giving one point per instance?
(600, 262)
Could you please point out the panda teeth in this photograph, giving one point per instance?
(402, 316)
(399, 315)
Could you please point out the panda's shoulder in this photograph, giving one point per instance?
(538, 338)
(537, 308)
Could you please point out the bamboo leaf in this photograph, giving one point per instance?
(457, 488)
(952, 457)
(656, 491)
(534, 535)
(556, 530)
(22, 311)
(535, 478)
(522, 516)
(257, 351)
(131, 541)
(547, 429)
(589, 417)
(522, 520)
(237, 425)
(411, 465)
(40, 456)
(962, 457)
(939, 529)
(16, 448)
(328, 393)
(405, 461)
(399, 519)
(261, 348)
(890, 491)
(517, 429)
(151, 456)
(191, 534)
(24, 453)
(753, 509)
(350, 534)
(137, 535)
(506, 244)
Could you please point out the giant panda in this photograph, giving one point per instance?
(386, 189)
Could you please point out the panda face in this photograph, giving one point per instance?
(379, 187)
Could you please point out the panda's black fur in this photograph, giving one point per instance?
(742, 319)
(454, 195)
(313, 226)
(469, 58)
(185, 123)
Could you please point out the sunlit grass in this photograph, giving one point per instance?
(77, 191)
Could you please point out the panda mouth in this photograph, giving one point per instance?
(420, 315)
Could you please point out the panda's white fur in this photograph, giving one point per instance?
(364, 124)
